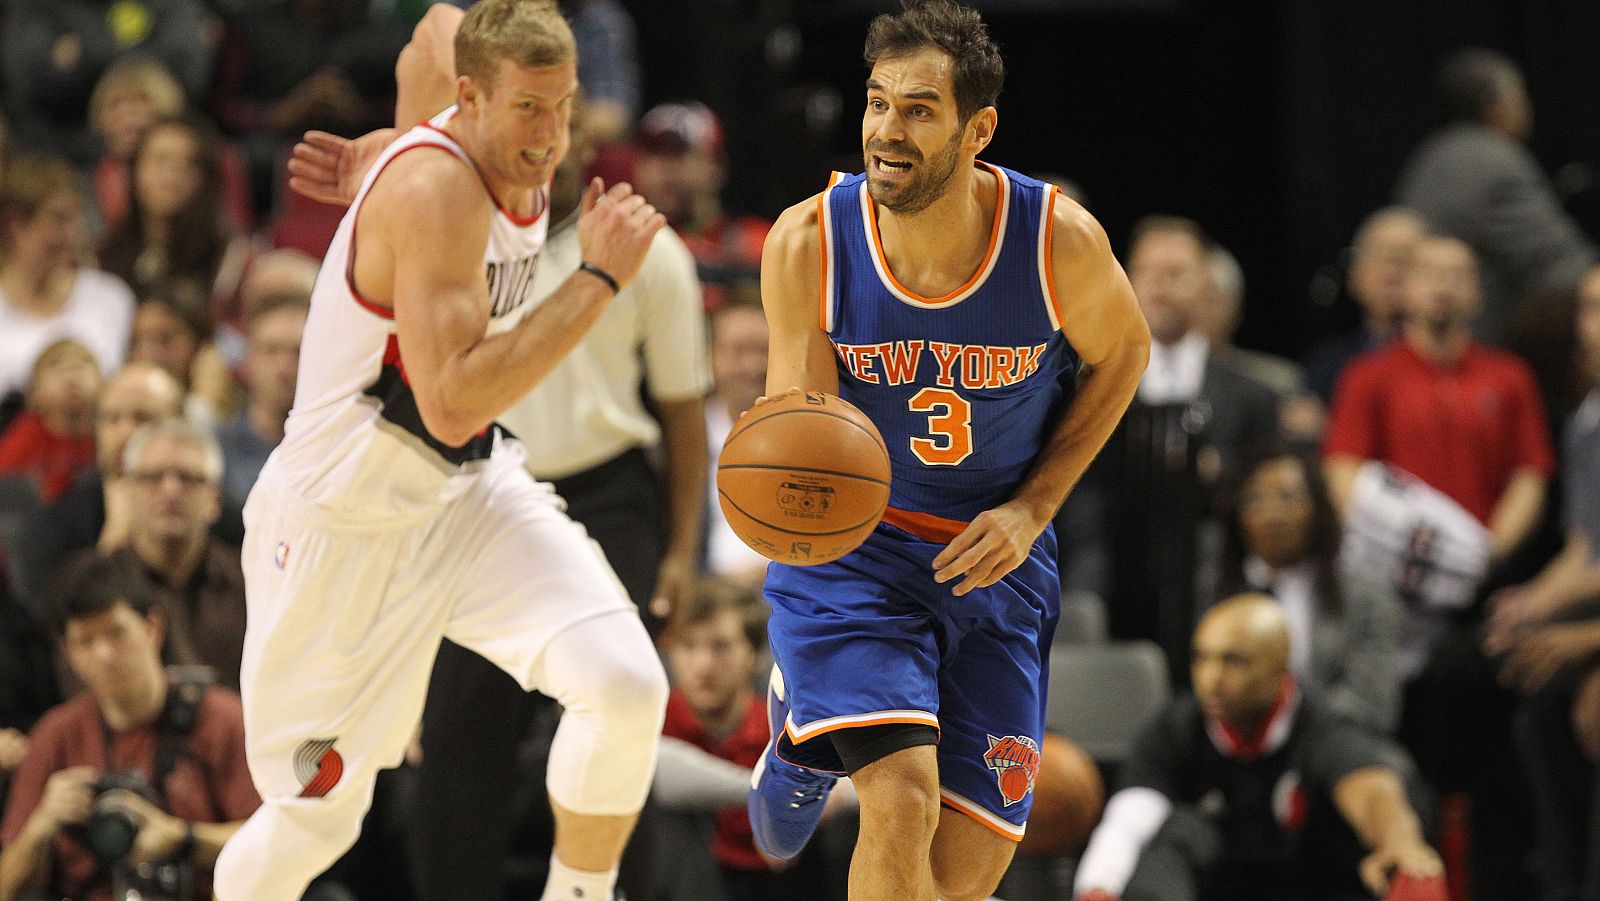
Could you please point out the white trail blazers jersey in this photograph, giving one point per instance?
(354, 444)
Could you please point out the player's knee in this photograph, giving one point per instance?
(632, 690)
(901, 791)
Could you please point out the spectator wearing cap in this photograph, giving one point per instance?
(682, 171)
(1476, 180)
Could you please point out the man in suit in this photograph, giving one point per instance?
(1475, 179)
(1193, 418)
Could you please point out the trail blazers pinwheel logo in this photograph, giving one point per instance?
(318, 767)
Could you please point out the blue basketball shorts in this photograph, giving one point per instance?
(872, 639)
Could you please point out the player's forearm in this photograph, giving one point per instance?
(1102, 399)
(481, 382)
(1517, 512)
(683, 431)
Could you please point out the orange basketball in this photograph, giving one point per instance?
(803, 477)
(1068, 797)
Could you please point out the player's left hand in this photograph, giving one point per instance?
(674, 582)
(993, 544)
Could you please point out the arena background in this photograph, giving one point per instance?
(1276, 123)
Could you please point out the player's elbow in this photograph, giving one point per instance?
(448, 426)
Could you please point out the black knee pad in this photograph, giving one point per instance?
(863, 745)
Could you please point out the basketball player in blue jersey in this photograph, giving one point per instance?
(979, 318)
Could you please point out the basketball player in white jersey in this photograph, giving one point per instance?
(396, 512)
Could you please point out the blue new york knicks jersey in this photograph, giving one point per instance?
(966, 388)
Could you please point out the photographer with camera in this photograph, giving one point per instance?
(129, 789)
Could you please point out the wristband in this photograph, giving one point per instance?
(602, 275)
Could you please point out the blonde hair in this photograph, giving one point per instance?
(139, 75)
(529, 33)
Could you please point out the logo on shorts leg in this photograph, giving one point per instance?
(280, 557)
(1015, 762)
(318, 767)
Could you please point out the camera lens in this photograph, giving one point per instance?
(110, 832)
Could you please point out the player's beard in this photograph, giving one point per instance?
(932, 178)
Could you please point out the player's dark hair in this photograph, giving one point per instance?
(978, 72)
(97, 585)
(1473, 80)
(711, 598)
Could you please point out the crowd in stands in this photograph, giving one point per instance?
(1390, 549)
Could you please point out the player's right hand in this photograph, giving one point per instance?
(615, 229)
(67, 797)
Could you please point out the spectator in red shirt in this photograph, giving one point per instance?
(1467, 420)
(1461, 416)
(52, 440)
(715, 731)
(111, 635)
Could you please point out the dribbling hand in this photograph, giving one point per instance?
(615, 229)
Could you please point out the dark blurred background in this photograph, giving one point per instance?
(1277, 124)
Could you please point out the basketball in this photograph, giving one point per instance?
(803, 477)
(1068, 796)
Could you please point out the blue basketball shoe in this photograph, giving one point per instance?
(786, 801)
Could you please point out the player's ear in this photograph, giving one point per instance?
(980, 128)
(467, 91)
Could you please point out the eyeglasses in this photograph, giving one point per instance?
(150, 478)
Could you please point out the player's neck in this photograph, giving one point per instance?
(947, 241)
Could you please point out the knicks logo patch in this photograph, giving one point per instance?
(1015, 763)
(318, 767)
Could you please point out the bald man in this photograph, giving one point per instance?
(1248, 789)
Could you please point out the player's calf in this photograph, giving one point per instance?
(968, 859)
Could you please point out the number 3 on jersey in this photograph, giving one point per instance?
(949, 427)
